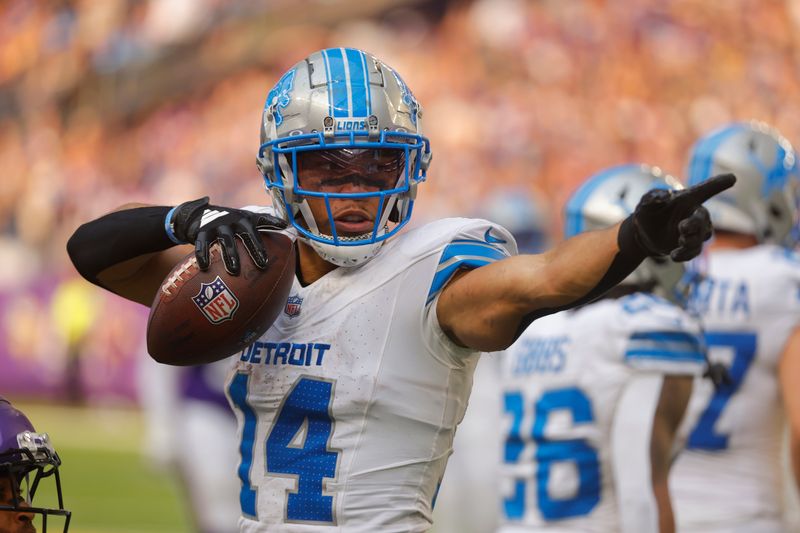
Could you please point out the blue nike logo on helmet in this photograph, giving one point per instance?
(491, 239)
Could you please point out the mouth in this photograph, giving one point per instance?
(352, 222)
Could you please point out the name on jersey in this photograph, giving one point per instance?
(543, 355)
(285, 353)
(721, 296)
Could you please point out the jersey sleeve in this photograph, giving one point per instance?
(662, 338)
(475, 244)
(471, 244)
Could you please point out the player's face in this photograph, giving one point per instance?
(13, 521)
(349, 171)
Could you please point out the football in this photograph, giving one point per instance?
(198, 317)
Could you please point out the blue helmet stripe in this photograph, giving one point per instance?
(358, 82)
(328, 77)
(366, 76)
(777, 176)
(702, 158)
(574, 208)
(337, 82)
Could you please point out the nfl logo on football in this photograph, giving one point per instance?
(216, 301)
(293, 306)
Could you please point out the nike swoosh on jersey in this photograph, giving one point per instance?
(488, 237)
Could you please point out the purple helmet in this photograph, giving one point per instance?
(27, 458)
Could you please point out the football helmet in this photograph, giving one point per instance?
(609, 197)
(763, 203)
(344, 112)
(26, 459)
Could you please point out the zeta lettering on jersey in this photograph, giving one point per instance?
(722, 297)
(541, 355)
(285, 353)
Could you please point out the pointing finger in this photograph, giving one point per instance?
(703, 191)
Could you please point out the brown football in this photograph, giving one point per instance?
(199, 317)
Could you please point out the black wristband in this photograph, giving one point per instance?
(629, 256)
(117, 237)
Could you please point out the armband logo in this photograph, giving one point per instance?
(216, 301)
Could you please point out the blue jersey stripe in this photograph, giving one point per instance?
(358, 82)
(443, 276)
(472, 248)
(337, 82)
(665, 355)
(463, 253)
(666, 336)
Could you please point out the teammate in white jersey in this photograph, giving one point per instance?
(593, 396)
(348, 404)
(729, 478)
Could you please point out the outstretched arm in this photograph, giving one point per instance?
(487, 308)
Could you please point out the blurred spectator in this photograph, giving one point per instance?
(159, 101)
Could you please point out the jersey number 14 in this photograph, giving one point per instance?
(297, 446)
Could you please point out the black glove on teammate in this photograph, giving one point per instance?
(200, 223)
(675, 223)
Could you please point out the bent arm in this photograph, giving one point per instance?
(789, 376)
(487, 308)
(95, 247)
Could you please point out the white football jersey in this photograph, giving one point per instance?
(563, 382)
(348, 404)
(730, 474)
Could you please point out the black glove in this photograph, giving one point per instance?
(718, 374)
(200, 223)
(674, 223)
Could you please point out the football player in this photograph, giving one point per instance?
(729, 477)
(188, 421)
(594, 396)
(26, 459)
(348, 404)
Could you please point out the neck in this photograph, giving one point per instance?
(310, 266)
(726, 240)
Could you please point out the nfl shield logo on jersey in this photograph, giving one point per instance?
(293, 306)
(216, 301)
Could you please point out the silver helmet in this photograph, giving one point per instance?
(609, 197)
(342, 103)
(763, 202)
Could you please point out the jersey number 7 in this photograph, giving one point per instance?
(297, 446)
(703, 436)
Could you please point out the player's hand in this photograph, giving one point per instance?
(675, 223)
(203, 224)
(718, 374)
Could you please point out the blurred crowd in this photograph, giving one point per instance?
(159, 101)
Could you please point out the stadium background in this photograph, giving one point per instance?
(105, 102)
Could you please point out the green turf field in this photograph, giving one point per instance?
(108, 485)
